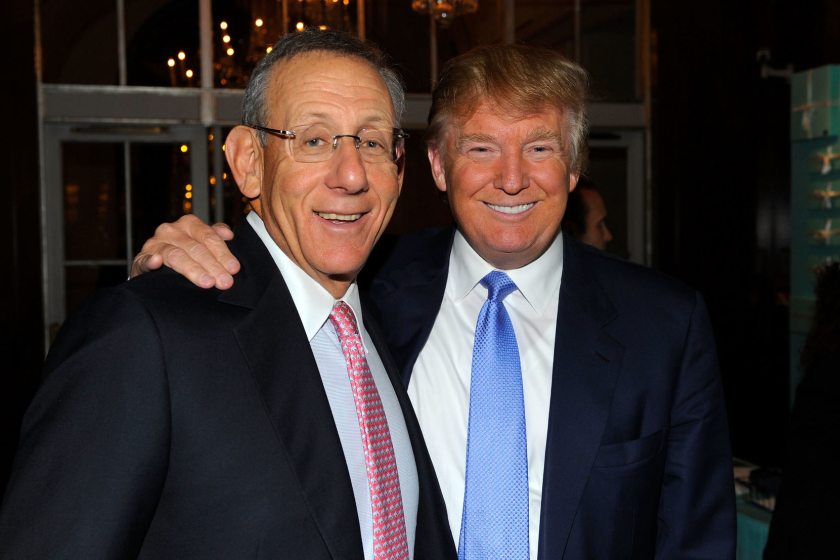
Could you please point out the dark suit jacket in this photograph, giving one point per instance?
(638, 461)
(177, 422)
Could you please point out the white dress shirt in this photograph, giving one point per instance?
(440, 382)
(314, 304)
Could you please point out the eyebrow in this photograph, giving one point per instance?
(544, 134)
(534, 136)
(469, 138)
(327, 119)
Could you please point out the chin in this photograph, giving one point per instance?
(344, 265)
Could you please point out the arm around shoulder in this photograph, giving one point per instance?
(94, 444)
(697, 517)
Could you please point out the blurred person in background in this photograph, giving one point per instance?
(586, 215)
(806, 516)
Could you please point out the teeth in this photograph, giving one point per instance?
(340, 217)
(511, 209)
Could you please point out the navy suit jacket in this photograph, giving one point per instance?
(177, 422)
(637, 461)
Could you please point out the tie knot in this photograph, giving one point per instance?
(342, 317)
(498, 285)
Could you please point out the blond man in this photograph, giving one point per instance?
(571, 401)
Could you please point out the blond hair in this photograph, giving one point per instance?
(520, 80)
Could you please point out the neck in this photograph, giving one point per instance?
(336, 286)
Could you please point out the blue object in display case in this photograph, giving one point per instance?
(815, 195)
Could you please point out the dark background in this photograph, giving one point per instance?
(721, 185)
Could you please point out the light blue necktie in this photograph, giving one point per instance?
(495, 520)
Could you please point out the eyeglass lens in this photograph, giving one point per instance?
(317, 143)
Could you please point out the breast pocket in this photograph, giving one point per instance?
(630, 452)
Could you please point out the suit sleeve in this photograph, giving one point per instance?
(94, 442)
(697, 505)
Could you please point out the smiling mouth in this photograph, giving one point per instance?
(511, 209)
(339, 218)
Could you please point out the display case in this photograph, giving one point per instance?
(815, 195)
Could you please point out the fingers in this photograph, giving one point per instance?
(223, 230)
(145, 262)
(191, 248)
(196, 248)
(220, 250)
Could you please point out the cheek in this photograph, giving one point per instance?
(385, 185)
(554, 181)
(289, 195)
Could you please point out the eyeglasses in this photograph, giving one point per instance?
(316, 143)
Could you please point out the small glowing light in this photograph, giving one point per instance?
(230, 52)
(334, 1)
(299, 26)
(268, 49)
(346, 2)
(224, 81)
(212, 180)
(223, 149)
(224, 175)
(223, 25)
(226, 39)
(184, 148)
(170, 62)
(258, 23)
(189, 73)
(181, 55)
(187, 205)
(210, 137)
(188, 188)
(322, 27)
(188, 195)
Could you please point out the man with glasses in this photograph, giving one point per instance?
(266, 421)
(570, 400)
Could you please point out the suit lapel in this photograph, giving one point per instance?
(586, 365)
(410, 295)
(280, 358)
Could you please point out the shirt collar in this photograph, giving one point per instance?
(313, 302)
(538, 281)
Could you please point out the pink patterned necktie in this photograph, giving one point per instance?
(389, 540)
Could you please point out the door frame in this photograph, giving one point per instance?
(637, 196)
(56, 134)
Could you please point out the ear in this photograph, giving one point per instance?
(573, 181)
(436, 160)
(244, 154)
(401, 170)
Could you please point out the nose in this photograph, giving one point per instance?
(607, 235)
(347, 169)
(512, 177)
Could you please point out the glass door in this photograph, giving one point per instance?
(108, 189)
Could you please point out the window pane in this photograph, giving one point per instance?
(607, 41)
(94, 201)
(79, 42)
(608, 48)
(547, 24)
(160, 187)
(158, 31)
(244, 31)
